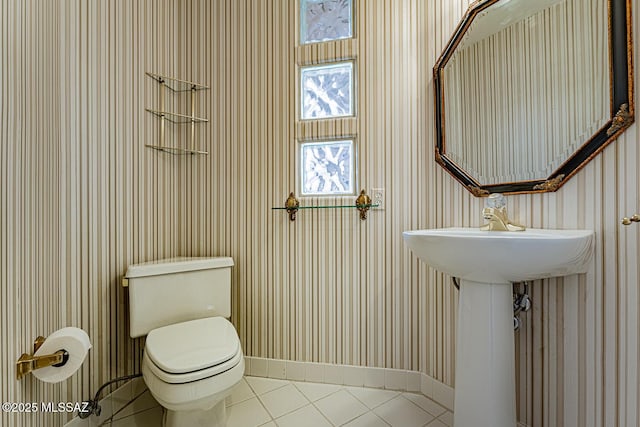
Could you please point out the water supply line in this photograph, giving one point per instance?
(93, 407)
(521, 302)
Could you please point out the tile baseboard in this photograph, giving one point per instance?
(359, 376)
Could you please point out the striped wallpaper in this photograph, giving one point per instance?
(82, 198)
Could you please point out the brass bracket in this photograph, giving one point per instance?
(622, 119)
(28, 362)
(363, 204)
(477, 191)
(628, 221)
(38, 343)
(292, 206)
(550, 184)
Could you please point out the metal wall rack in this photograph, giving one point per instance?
(176, 86)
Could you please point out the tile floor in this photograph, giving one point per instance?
(269, 402)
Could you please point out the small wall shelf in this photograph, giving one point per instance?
(176, 86)
(178, 119)
(175, 150)
(363, 204)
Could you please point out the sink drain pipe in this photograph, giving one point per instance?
(521, 301)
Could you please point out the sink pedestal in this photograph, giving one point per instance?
(485, 388)
(487, 262)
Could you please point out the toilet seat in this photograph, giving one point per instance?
(191, 351)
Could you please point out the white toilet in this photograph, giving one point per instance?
(192, 356)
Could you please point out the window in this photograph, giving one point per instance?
(326, 163)
(327, 167)
(323, 20)
(326, 91)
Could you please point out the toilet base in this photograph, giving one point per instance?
(214, 417)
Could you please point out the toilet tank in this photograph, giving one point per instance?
(175, 290)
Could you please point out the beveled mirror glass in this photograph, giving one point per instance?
(528, 91)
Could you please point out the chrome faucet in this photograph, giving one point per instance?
(495, 212)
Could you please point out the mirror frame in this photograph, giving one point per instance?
(621, 95)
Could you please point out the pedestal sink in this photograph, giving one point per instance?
(487, 262)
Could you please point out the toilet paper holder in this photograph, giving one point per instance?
(29, 362)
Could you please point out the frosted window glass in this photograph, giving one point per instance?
(323, 20)
(327, 91)
(327, 168)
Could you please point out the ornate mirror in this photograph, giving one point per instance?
(528, 91)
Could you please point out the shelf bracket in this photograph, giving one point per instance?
(292, 205)
(363, 204)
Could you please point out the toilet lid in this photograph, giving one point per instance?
(193, 345)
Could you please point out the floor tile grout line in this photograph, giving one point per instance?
(346, 422)
(315, 407)
(440, 418)
(240, 401)
(397, 395)
(257, 397)
(130, 403)
(313, 403)
(434, 416)
(265, 409)
(332, 393)
(253, 394)
(378, 405)
(265, 378)
(322, 413)
(286, 413)
(369, 412)
(401, 395)
(433, 421)
(134, 415)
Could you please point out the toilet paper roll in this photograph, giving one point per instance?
(75, 341)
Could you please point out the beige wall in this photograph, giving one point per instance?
(82, 198)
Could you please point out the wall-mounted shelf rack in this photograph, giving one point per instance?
(176, 86)
(363, 204)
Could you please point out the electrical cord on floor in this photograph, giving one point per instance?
(93, 406)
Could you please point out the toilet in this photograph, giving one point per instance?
(192, 356)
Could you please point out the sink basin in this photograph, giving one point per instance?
(503, 257)
(487, 262)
